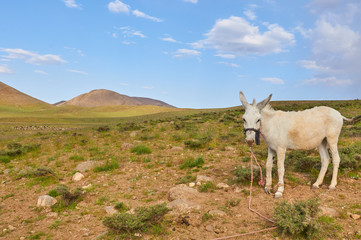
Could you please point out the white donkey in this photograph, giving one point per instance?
(308, 129)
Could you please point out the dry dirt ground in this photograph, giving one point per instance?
(145, 180)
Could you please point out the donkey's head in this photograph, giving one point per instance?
(252, 118)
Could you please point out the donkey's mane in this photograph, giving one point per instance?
(268, 108)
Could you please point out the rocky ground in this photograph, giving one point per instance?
(198, 211)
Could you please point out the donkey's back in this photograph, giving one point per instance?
(305, 129)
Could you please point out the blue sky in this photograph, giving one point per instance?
(188, 53)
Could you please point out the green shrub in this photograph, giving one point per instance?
(103, 129)
(142, 220)
(207, 187)
(193, 144)
(108, 166)
(186, 179)
(298, 219)
(121, 207)
(206, 217)
(128, 126)
(141, 149)
(36, 172)
(4, 159)
(243, 174)
(76, 158)
(68, 200)
(191, 163)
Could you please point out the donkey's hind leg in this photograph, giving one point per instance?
(335, 161)
(325, 159)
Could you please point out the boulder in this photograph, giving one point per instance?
(181, 191)
(46, 201)
(111, 210)
(217, 213)
(329, 212)
(85, 166)
(222, 185)
(176, 149)
(183, 206)
(77, 177)
(201, 178)
(126, 146)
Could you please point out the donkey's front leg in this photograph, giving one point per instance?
(281, 171)
(269, 165)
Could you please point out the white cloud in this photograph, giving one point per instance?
(229, 64)
(32, 57)
(78, 51)
(237, 36)
(191, 1)
(330, 81)
(41, 72)
(273, 80)
(140, 14)
(147, 87)
(180, 53)
(71, 4)
(226, 56)
(4, 69)
(118, 7)
(139, 34)
(169, 39)
(336, 53)
(309, 64)
(322, 5)
(77, 71)
(129, 32)
(250, 14)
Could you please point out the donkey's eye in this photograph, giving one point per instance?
(259, 120)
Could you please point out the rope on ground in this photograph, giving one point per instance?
(261, 182)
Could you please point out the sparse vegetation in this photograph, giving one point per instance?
(141, 149)
(108, 166)
(300, 220)
(192, 163)
(122, 178)
(144, 219)
(68, 199)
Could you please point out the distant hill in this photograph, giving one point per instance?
(103, 97)
(11, 97)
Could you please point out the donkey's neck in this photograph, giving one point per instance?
(267, 114)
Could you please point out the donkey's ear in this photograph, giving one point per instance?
(264, 103)
(243, 99)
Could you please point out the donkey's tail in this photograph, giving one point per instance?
(352, 120)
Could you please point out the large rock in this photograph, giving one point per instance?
(111, 210)
(183, 206)
(329, 212)
(201, 178)
(85, 166)
(126, 146)
(77, 177)
(182, 191)
(46, 201)
(217, 213)
(176, 149)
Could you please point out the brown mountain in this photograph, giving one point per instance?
(103, 97)
(11, 97)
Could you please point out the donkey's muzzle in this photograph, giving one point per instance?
(257, 136)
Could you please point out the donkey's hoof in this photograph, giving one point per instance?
(278, 195)
(313, 186)
(332, 187)
(267, 190)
